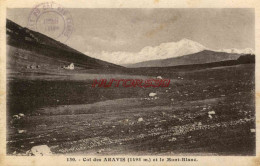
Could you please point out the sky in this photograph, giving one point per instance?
(130, 30)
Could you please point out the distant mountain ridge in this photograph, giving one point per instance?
(202, 57)
(243, 59)
(237, 51)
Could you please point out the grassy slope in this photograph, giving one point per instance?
(27, 43)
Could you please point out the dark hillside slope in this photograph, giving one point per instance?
(24, 43)
(202, 57)
(169, 70)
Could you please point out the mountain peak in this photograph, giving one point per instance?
(185, 40)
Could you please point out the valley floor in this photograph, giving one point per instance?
(202, 112)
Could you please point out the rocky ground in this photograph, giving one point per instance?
(203, 112)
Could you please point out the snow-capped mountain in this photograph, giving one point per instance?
(162, 51)
(237, 51)
(170, 50)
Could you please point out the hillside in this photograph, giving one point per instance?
(202, 57)
(29, 50)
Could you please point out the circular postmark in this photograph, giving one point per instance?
(52, 20)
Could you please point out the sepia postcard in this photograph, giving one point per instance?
(148, 82)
